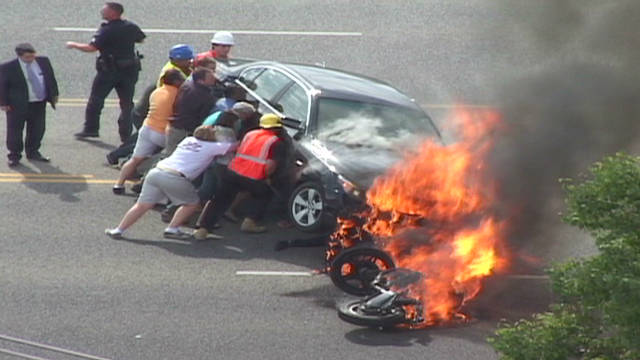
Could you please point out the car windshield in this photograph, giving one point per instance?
(355, 123)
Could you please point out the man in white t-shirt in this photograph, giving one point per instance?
(171, 178)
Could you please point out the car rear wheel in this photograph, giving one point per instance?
(307, 208)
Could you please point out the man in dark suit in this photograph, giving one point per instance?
(27, 83)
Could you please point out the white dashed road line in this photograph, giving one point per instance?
(239, 32)
(274, 273)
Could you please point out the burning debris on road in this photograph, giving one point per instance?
(435, 213)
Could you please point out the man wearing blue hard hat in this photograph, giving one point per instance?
(181, 59)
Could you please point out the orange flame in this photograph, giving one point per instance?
(434, 213)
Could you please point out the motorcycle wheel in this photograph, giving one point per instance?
(351, 312)
(353, 270)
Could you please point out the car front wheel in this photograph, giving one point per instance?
(307, 208)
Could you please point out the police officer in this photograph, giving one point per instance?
(117, 67)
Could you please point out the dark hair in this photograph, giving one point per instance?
(172, 77)
(235, 92)
(117, 7)
(206, 61)
(24, 48)
(227, 119)
(201, 74)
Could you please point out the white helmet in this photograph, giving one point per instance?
(222, 38)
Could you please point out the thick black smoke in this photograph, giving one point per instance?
(579, 103)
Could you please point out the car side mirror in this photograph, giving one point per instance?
(300, 133)
(295, 124)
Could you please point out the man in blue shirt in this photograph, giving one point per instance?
(117, 68)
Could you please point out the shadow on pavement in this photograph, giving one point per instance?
(389, 337)
(98, 143)
(323, 296)
(240, 246)
(64, 184)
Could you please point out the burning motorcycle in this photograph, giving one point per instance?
(353, 260)
(434, 213)
(392, 303)
(355, 269)
(389, 305)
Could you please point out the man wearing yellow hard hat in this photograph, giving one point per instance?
(260, 156)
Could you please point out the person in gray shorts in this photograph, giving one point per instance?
(151, 135)
(171, 179)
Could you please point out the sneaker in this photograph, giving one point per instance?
(118, 189)
(113, 233)
(177, 235)
(250, 226)
(200, 234)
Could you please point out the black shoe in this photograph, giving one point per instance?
(14, 162)
(137, 188)
(112, 160)
(86, 134)
(38, 157)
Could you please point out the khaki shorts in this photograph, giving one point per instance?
(149, 141)
(160, 185)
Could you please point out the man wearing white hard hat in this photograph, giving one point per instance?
(221, 44)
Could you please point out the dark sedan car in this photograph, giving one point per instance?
(348, 129)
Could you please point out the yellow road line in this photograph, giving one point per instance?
(83, 100)
(82, 105)
(78, 102)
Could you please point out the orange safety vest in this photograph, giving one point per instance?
(252, 154)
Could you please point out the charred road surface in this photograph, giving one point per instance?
(66, 286)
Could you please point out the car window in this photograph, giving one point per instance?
(248, 76)
(294, 103)
(375, 125)
(269, 83)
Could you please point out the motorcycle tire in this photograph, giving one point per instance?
(352, 313)
(353, 269)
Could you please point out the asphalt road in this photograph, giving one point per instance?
(65, 284)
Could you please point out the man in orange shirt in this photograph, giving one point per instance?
(151, 136)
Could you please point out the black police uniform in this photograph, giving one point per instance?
(117, 67)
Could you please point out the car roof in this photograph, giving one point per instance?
(333, 83)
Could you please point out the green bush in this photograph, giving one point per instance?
(598, 312)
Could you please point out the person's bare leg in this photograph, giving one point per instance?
(136, 211)
(182, 214)
(128, 169)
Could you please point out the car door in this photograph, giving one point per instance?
(265, 84)
(294, 103)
